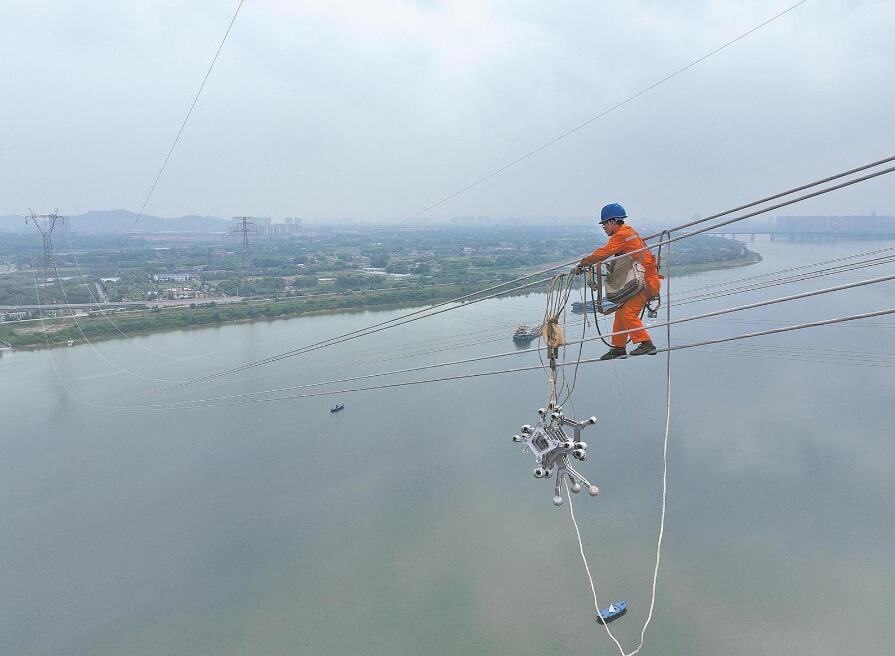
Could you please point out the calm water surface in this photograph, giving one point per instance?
(409, 523)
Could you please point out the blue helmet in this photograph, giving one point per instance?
(612, 211)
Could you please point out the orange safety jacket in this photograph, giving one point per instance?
(625, 241)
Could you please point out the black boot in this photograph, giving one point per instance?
(614, 352)
(645, 348)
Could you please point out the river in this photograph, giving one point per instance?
(410, 523)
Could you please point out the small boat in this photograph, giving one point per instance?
(612, 612)
(604, 307)
(338, 407)
(71, 342)
(525, 334)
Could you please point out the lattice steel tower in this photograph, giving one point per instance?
(45, 224)
(245, 227)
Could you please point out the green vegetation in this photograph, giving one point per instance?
(327, 271)
(102, 326)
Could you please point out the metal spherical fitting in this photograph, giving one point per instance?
(557, 500)
(575, 487)
(542, 411)
(580, 445)
(517, 438)
(526, 428)
(593, 490)
(592, 420)
(555, 415)
(579, 454)
(539, 472)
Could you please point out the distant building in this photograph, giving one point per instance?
(844, 225)
(472, 220)
(278, 230)
(172, 277)
(179, 293)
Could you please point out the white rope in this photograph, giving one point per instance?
(590, 578)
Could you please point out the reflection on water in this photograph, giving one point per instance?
(410, 523)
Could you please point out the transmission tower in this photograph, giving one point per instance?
(45, 224)
(245, 226)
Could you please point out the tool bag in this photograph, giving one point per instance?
(625, 278)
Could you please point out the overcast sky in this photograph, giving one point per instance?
(376, 110)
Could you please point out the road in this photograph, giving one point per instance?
(221, 300)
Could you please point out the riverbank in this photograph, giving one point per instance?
(77, 330)
(751, 257)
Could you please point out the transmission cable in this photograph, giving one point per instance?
(763, 210)
(686, 300)
(362, 332)
(870, 360)
(99, 303)
(43, 323)
(183, 125)
(666, 324)
(790, 269)
(466, 342)
(707, 342)
(603, 336)
(598, 116)
(91, 344)
(419, 314)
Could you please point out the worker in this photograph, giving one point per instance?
(624, 239)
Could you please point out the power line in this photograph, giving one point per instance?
(183, 125)
(765, 210)
(598, 116)
(786, 280)
(340, 339)
(419, 314)
(47, 342)
(798, 268)
(666, 324)
(849, 358)
(466, 343)
(802, 326)
(93, 347)
(99, 303)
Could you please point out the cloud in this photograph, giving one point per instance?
(377, 109)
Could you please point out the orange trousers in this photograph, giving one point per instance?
(627, 317)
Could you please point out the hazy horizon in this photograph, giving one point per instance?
(378, 110)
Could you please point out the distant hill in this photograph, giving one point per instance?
(120, 221)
